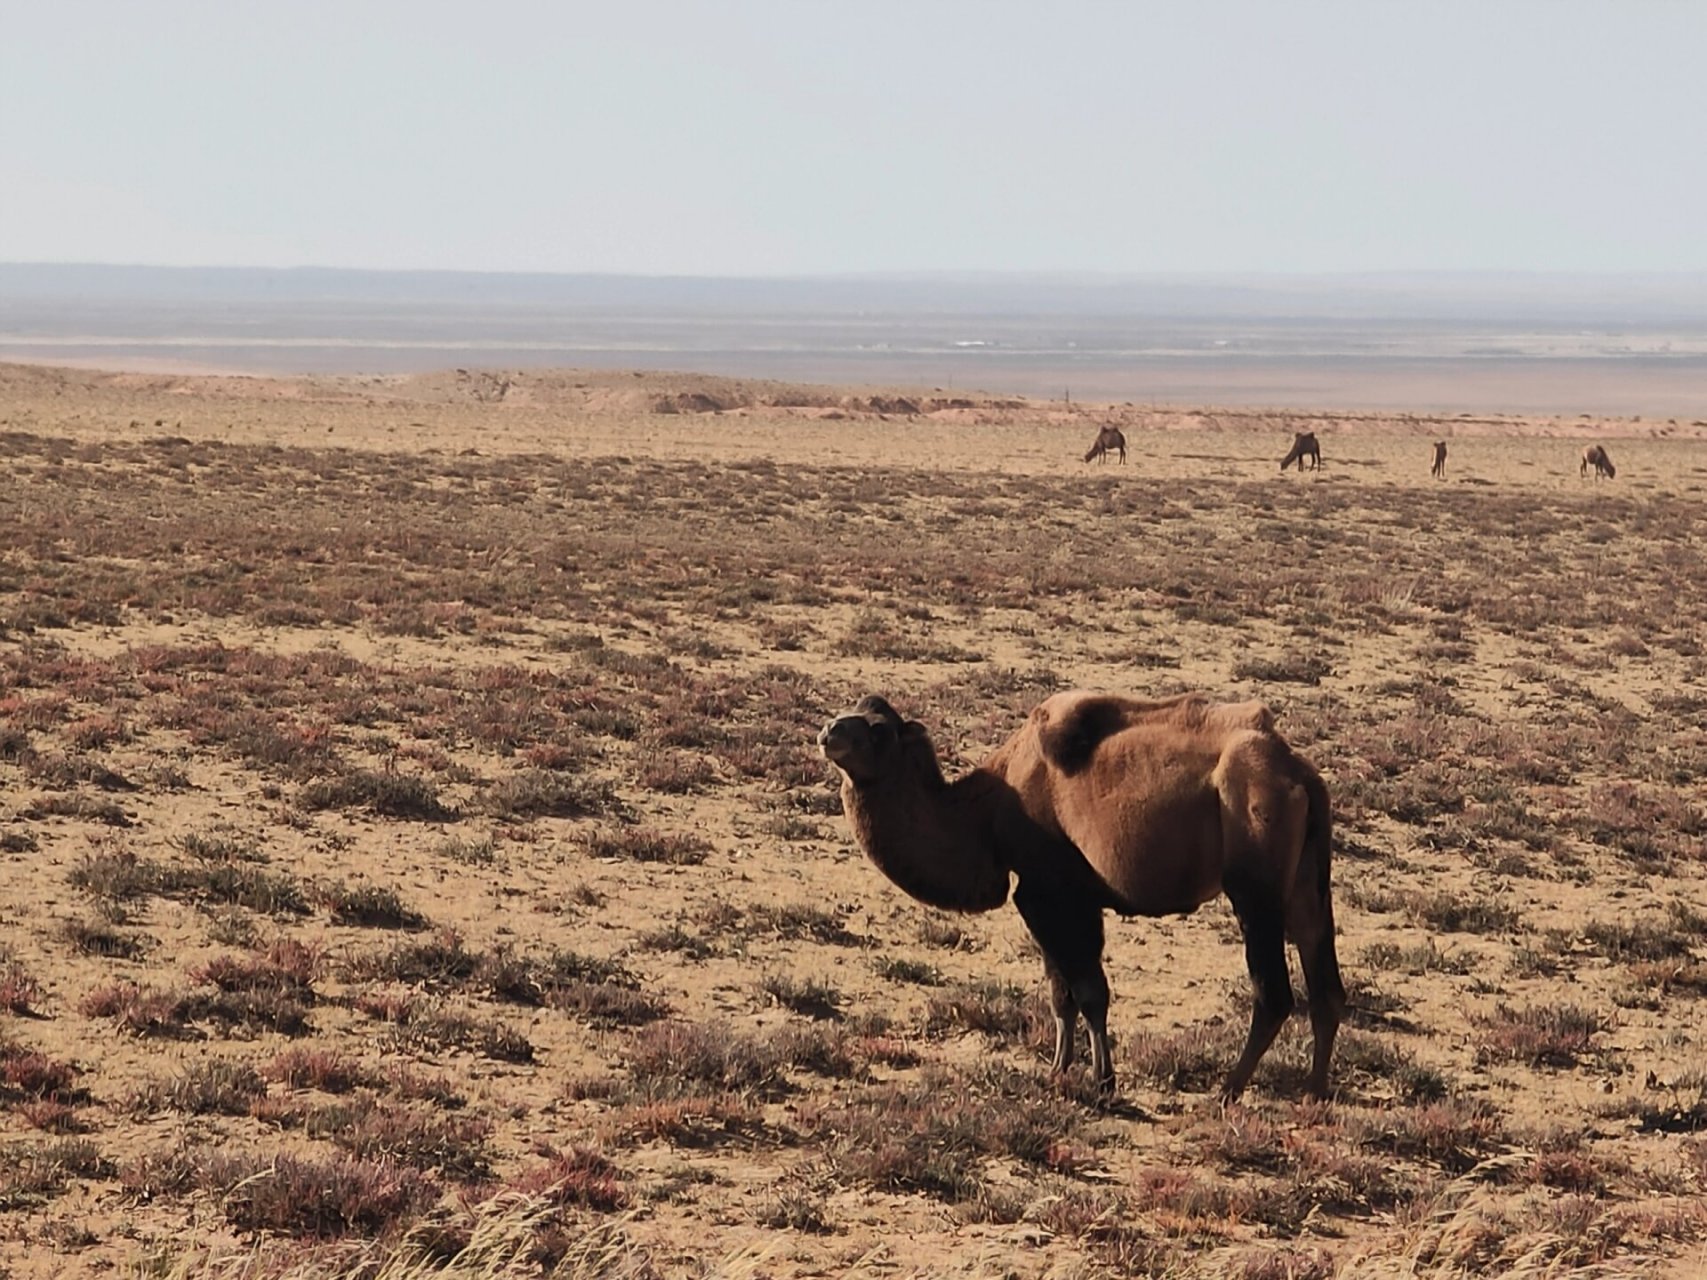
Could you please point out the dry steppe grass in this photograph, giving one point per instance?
(416, 856)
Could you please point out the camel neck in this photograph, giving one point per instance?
(931, 837)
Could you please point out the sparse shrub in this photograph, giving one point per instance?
(220, 848)
(607, 1004)
(213, 1087)
(372, 1129)
(802, 923)
(472, 853)
(946, 932)
(441, 1028)
(243, 885)
(323, 1069)
(231, 927)
(313, 1198)
(285, 965)
(826, 1051)
(795, 1209)
(440, 960)
(691, 946)
(674, 772)
(917, 972)
(579, 1176)
(29, 1074)
(1194, 1059)
(1665, 937)
(368, 906)
(1290, 668)
(667, 1056)
(141, 1011)
(1447, 911)
(538, 793)
(1423, 957)
(76, 805)
(391, 795)
(1540, 1035)
(932, 1136)
(809, 996)
(32, 1173)
(19, 991)
(119, 875)
(998, 1009)
(555, 756)
(642, 844)
(100, 939)
(50, 1115)
(1453, 1133)
(792, 827)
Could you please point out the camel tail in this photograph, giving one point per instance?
(1318, 839)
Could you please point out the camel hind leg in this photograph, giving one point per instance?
(1068, 931)
(1314, 939)
(1310, 926)
(1262, 921)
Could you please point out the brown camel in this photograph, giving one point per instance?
(1303, 446)
(1108, 438)
(1596, 457)
(1149, 808)
(1438, 470)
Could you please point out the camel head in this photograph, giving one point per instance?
(870, 741)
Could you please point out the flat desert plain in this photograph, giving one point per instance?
(414, 850)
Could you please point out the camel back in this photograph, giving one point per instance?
(1070, 727)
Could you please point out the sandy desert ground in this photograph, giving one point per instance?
(412, 829)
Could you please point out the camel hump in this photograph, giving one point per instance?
(1254, 714)
(1070, 727)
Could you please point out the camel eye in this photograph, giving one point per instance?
(882, 732)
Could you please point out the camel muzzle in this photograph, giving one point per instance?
(837, 739)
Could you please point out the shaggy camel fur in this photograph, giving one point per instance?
(1108, 438)
(1596, 457)
(1149, 808)
(1303, 446)
(1438, 470)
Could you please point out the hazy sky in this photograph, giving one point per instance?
(792, 136)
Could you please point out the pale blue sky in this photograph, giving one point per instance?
(747, 137)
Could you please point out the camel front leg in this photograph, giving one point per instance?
(1066, 1016)
(1069, 933)
(1095, 1009)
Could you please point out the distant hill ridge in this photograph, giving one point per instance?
(1638, 299)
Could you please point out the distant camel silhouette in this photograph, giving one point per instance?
(1108, 438)
(1303, 446)
(1438, 470)
(1596, 457)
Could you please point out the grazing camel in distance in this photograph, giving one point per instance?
(1148, 808)
(1595, 456)
(1108, 438)
(1438, 470)
(1303, 446)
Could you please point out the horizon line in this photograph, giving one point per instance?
(1078, 274)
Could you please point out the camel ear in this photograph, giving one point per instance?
(872, 706)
